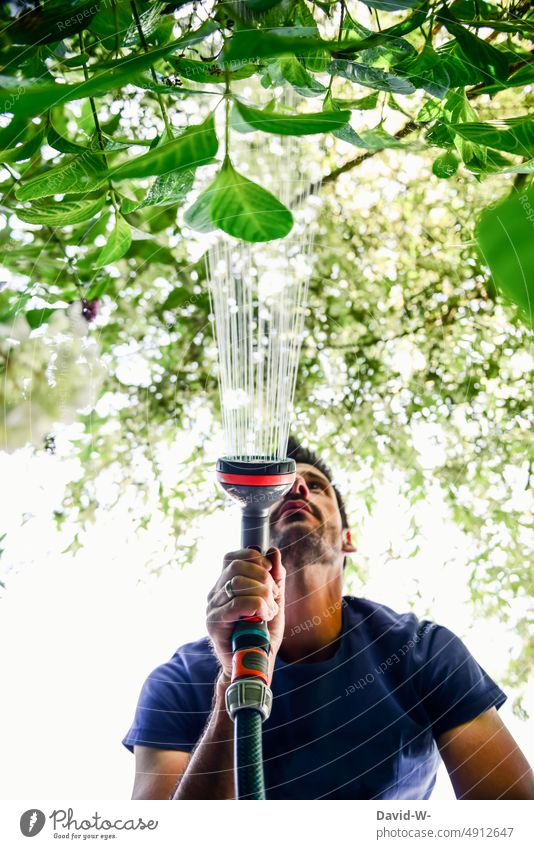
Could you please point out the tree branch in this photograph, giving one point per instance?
(479, 89)
(408, 128)
(404, 131)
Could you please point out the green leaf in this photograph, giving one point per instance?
(11, 304)
(76, 61)
(515, 135)
(198, 215)
(34, 98)
(490, 162)
(429, 112)
(109, 127)
(245, 210)
(517, 26)
(252, 44)
(109, 28)
(83, 173)
(379, 139)
(70, 210)
(150, 20)
(118, 242)
(466, 10)
(461, 71)
(391, 5)
(492, 63)
(196, 146)
(376, 139)
(209, 72)
(383, 51)
(177, 298)
(361, 103)
(64, 145)
(292, 125)
(167, 190)
(456, 110)
(349, 135)
(39, 316)
(446, 165)
(523, 76)
(24, 150)
(261, 5)
(51, 21)
(522, 168)
(12, 132)
(289, 69)
(386, 36)
(504, 236)
(98, 289)
(371, 77)
(238, 123)
(151, 253)
(427, 71)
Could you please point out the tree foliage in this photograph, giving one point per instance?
(118, 146)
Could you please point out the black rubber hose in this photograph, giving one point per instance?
(248, 754)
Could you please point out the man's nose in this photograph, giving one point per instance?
(299, 488)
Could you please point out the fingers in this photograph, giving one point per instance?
(250, 564)
(247, 554)
(243, 585)
(278, 573)
(233, 609)
(256, 589)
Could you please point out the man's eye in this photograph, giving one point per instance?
(314, 485)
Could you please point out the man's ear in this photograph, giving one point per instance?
(348, 547)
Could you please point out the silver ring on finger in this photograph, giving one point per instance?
(228, 589)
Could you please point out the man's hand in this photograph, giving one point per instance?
(258, 583)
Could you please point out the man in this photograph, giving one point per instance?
(365, 699)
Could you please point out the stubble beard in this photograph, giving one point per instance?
(302, 545)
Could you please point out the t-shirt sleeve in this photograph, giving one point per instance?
(451, 686)
(165, 715)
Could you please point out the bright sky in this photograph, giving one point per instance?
(80, 634)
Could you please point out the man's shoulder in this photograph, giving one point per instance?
(196, 652)
(381, 618)
(195, 660)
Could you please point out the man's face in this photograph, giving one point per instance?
(308, 518)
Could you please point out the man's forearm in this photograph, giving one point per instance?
(210, 772)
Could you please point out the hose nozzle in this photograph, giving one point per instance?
(256, 485)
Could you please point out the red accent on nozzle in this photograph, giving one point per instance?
(256, 480)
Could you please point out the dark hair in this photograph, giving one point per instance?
(300, 454)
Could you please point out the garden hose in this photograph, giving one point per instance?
(248, 755)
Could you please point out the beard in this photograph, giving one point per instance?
(302, 544)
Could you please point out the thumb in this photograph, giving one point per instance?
(278, 572)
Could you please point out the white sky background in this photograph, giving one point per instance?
(80, 634)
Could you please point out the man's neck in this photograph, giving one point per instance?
(313, 614)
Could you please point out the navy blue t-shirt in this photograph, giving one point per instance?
(360, 725)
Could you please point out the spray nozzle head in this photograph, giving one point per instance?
(258, 484)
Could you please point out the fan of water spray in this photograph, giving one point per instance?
(258, 295)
